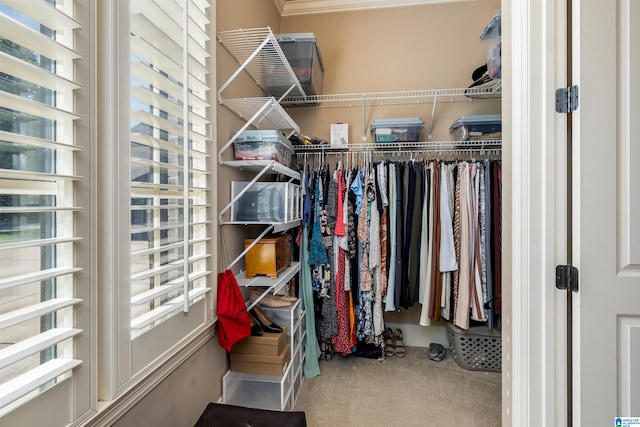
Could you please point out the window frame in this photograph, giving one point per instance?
(128, 363)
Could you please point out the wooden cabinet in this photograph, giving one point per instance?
(268, 257)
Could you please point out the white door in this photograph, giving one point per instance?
(606, 211)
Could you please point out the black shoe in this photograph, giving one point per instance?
(256, 329)
(267, 324)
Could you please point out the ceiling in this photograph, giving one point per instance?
(305, 7)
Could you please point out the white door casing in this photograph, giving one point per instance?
(606, 211)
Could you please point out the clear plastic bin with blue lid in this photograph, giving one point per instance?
(303, 54)
(405, 129)
(474, 127)
(269, 144)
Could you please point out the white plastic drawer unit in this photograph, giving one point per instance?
(266, 202)
(257, 391)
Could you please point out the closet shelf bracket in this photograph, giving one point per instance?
(433, 115)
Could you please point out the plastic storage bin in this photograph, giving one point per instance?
(266, 202)
(263, 145)
(303, 54)
(397, 130)
(483, 126)
(477, 348)
(257, 391)
(492, 38)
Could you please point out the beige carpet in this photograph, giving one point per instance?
(409, 391)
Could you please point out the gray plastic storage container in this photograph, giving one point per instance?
(303, 54)
(482, 126)
(406, 129)
(263, 145)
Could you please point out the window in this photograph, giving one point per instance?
(169, 149)
(42, 295)
(160, 171)
(105, 231)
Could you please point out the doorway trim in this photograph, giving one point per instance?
(534, 213)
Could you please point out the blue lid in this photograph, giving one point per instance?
(479, 119)
(493, 30)
(402, 121)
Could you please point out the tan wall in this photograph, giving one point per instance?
(235, 14)
(180, 398)
(407, 48)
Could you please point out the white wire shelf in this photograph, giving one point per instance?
(429, 96)
(261, 113)
(277, 226)
(258, 52)
(273, 286)
(394, 146)
(266, 108)
(268, 166)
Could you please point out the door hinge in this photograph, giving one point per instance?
(567, 278)
(567, 99)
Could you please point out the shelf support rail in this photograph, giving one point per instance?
(248, 248)
(242, 129)
(433, 115)
(364, 119)
(242, 67)
(244, 190)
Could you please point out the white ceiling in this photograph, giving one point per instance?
(304, 7)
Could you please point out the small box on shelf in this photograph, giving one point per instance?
(266, 202)
(303, 54)
(268, 257)
(263, 145)
(406, 129)
(260, 364)
(264, 345)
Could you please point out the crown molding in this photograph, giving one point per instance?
(307, 7)
(280, 4)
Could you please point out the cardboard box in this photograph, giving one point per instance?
(264, 365)
(265, 345)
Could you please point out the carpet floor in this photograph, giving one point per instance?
(409, 391)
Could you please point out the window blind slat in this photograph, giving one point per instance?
(156, 57)
(35, 344)
(38, 243)
(17, 387)
(36, 176)
(158, 101)
(157, 122)
(197, 29)
(36, 310)
(164, 41)
(165, 289)
(164, 310)
(13, 66)
(24, 105)
(23, 279)
(177, 245)
(35, 41)
(145, 274)
(36, 142)
(25, 209)
(161, 188)
(161, 16)
(198, 103)
(159, 165)
(161, 144)
(154, 78)
(153, 192)
(45, 13)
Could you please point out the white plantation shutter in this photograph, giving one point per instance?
(169, 146)
(38, 274)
